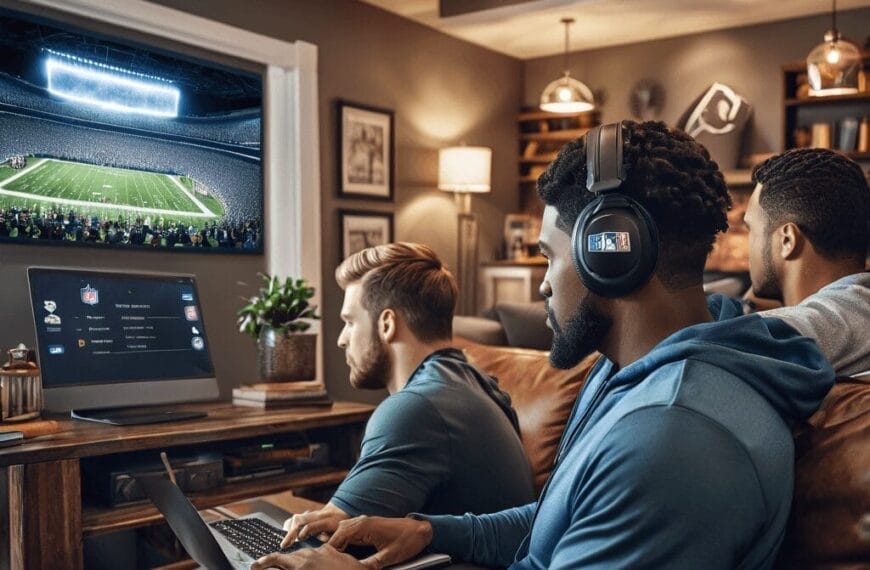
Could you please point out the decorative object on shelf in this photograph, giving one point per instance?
(847, 139)
(864, 135)
(464, 170)
(361, 229)
(833, 65)
(20, 386)
(647, 99)
(716, 119)
(821, 135)
(277, 318)
(520, 235)
(566, 94)
(366, 150)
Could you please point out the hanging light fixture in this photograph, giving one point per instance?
(832, 66)
(566, 94)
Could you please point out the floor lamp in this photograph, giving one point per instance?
(465, 170)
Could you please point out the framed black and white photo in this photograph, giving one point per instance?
(360, 229)
(365, 154)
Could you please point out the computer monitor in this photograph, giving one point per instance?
(115, 340)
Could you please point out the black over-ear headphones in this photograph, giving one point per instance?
(615, 242)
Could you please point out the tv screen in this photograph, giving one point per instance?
(106, 142)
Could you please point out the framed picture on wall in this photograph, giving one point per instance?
(361, 229)
(365, 156)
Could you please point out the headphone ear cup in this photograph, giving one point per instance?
(614, 244)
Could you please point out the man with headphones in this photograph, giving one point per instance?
(678, 453)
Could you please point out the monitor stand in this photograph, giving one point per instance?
(135, 416)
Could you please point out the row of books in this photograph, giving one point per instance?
(281, 395)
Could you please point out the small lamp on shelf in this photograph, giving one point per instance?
(465, 170)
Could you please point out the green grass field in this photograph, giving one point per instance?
(107, 192)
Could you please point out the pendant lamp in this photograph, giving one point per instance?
(832, 66)
(566, 94)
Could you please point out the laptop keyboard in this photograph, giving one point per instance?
(254, 537)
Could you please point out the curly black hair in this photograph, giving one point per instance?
(668, 173)
(824, 193)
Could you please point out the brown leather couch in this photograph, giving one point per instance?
(830, 522)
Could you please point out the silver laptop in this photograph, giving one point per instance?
(236, 543)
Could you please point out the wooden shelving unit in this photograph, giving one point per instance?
(541, 135)
(98, 520)
(801, 111)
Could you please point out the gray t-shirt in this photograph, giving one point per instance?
(444, 444)
(837, 317)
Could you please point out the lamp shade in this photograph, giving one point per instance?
(832, 66)
(567, 95)
(464, 169)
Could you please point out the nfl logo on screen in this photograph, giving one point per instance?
(608, 242)
(90, 296)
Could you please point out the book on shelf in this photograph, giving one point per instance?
(316, 400)
(279, 396)
(300, 386)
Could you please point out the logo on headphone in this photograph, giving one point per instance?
(608, 242)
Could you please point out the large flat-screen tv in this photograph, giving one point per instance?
(111, 143)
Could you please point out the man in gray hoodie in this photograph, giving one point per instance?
(809, 229)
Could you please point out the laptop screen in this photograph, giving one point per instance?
(94, 327)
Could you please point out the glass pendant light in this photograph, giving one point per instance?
(832, 66)
(566, 94)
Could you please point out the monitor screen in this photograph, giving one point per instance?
(96, 328)
(109, 143)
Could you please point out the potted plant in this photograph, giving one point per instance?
(277, 318)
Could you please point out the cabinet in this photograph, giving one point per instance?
(511, 282)
(44, 515)
(541, 135)
(832, 121)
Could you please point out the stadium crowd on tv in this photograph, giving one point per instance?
(71, 226)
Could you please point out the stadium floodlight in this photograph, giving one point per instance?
(112, 92)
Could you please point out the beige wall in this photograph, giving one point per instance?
(442, 90)
(747, 59)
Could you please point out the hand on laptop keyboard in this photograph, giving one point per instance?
(323, 558)
(254, 537)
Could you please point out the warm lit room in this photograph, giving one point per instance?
(528, 284)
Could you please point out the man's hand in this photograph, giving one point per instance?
(397, 540)
(312, 523)
(323, 558)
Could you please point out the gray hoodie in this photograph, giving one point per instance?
(837, 317)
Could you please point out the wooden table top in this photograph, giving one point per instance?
(76, 439)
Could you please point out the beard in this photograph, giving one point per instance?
(583, 333)
(768, 286)
(373, 370)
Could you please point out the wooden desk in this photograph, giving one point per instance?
(41, 487)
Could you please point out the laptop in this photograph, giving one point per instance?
(234, 544)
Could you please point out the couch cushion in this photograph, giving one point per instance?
(479, 329)
(525, 324)
(830, 517)
(542, 395)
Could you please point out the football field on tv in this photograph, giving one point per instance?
(107, 192)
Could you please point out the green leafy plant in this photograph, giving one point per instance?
(280, 306)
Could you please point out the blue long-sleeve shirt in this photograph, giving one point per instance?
(683, 459)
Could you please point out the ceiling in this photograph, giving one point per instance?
(531, 28)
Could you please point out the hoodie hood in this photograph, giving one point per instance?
(787, 369)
